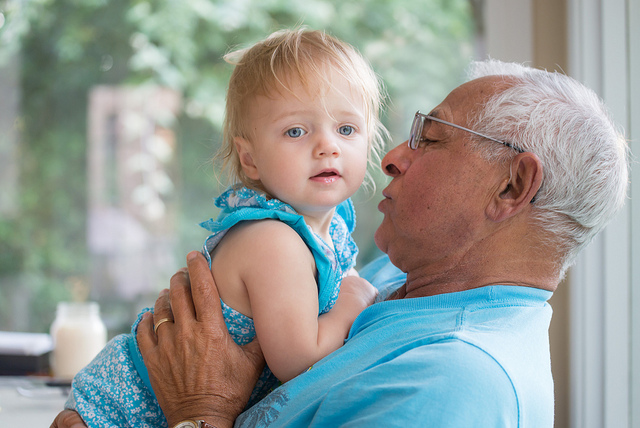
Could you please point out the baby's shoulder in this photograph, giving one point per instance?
(264, 239)
(258, 252)
(268, 230)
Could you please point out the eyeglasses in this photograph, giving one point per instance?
(421, 120)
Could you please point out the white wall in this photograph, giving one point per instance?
(604, 301)
(604, 54)
(508, 30)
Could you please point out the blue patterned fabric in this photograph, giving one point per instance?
(114, 389)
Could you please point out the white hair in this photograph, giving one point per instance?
(584, 155)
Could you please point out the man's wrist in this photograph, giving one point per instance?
(204, 422)
(191, 423)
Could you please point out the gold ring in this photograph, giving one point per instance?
(155, 327)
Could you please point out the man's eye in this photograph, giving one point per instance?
(424, 142)
(346, 130)
(295, 132)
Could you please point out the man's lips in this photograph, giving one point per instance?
(385, 201)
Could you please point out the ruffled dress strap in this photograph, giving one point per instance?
(242, 204)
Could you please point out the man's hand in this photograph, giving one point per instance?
(197, 371)
(68, 419)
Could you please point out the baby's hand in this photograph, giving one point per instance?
(353, 272)
(357, 290)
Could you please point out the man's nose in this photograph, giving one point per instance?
(397, 160)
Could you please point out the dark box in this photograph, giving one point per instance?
(24, 353)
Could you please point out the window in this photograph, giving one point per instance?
(112, 110)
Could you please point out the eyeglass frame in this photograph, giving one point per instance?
(415, 141)
(418, 124)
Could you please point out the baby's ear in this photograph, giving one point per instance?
(245, 154)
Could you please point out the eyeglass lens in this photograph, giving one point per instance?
(416, 131)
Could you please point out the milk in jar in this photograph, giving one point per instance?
(78, 335)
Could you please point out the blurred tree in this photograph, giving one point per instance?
(66, 47)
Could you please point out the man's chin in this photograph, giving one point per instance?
(379, 240)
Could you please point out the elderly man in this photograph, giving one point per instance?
(496, 191)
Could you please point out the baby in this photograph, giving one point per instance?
(301, 125)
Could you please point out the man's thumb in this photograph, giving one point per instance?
(254, 354)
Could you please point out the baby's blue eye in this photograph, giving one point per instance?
(346, 130)
(295, 132)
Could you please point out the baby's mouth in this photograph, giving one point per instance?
(328, 176)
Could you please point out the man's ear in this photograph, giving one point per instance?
(517, 192)
(245, 154)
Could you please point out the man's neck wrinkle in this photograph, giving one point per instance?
(423, 285)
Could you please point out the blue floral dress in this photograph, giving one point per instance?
(114, 389)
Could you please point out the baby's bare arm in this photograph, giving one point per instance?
(279, 274)
(356, 294)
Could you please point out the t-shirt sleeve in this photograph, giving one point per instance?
(447, 384)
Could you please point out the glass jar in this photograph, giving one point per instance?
(78, 335)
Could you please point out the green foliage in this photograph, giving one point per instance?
(418, 47)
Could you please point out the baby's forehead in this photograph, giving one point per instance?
(311, 76)
(314, 82)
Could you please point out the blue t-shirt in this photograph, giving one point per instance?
(474, 358)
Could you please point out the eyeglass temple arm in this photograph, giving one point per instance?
(504, 143)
